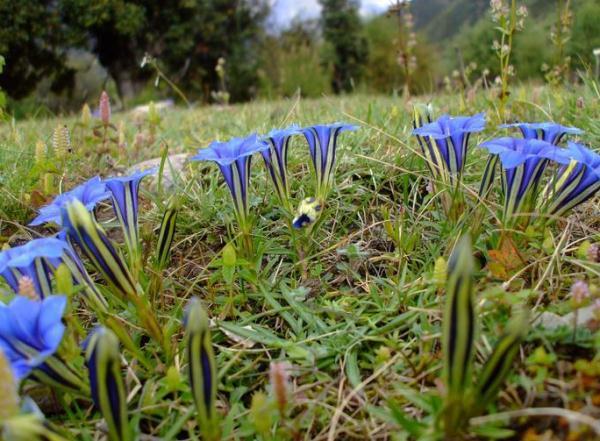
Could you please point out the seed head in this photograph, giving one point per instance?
(61, 141)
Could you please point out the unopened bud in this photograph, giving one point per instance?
(279, 378)
(121, 135)
(86, 115)
(105, 108)
(579, 292)
(40, 151)
(440, 272)
(593, 253)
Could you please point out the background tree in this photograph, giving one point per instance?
(115, 31)
(290, 62)
(585, 36)
(187, 37)
(384, 73)
(33, 42)
(342, 30)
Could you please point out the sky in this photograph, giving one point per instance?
(284, 11)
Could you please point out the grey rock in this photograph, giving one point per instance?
(549, 320)
(174, 169)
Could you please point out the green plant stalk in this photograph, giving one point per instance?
(166, 79)
(507, 37)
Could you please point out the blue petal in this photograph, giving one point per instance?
(546, 131)
(446, 126)
(134, 177)
(89, 193)
(25, 255)
(512, 159)
(225, 153)
(581, 153)
(50, 326)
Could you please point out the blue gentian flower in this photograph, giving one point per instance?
(545, 131)
(124, 192)
(233, 158)
(574, 183)
(276, 160)
(36, 260)
(31, 331)
(322, 145)
(447, 140)
(523, 162)
(89, 194)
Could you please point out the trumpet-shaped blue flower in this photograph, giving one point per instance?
(276, 159)
(89, 194)
(545, 131)
(233, 158)
(523, 162)
(31, 331)
(36, 260)
(322, 145)
(574, 183)
(124, 192)
(446, 141)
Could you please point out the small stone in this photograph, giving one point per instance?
(174, 165)
(549, 320)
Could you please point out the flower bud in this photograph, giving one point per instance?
(202, 370)
(279, 378)
(579, 293)
(40, 151)
(108, 391)
(167, 233)
(593, 253)
(104, 108)
(86, 115)
(440, 270)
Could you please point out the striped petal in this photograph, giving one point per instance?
(83, 229)
(322, 145)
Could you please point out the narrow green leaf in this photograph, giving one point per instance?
(499, 364)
